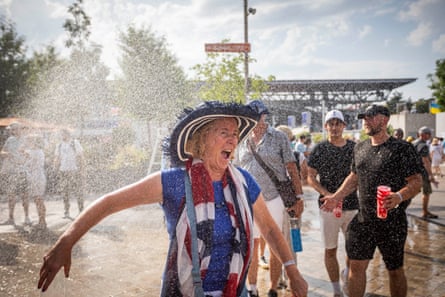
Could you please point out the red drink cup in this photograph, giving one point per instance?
(337, 210)
(382, 192)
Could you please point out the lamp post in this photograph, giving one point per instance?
(247, 11)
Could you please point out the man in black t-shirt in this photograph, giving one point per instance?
(422, 148)
(380, 160)
(331, 160)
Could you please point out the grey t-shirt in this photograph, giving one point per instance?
(275, 150)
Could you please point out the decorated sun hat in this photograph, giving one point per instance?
(192, 119)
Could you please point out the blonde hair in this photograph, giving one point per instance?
(286, 130)
(196, 144)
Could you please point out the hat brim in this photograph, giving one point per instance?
(193, 119)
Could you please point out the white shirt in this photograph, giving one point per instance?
(67, 151)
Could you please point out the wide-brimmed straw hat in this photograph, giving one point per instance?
(192, 119)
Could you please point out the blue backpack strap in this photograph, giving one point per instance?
(197, 282)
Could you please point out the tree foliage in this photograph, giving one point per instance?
(422, 106)
(74, 90)
(77, 26)
(153, 86)
(222, 78)
(438, 83)
(13, 69)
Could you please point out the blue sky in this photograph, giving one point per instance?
(291, 39)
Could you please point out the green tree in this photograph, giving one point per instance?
(153, 86)
(422, 106)
(13, 69)
(438, 83)
(394, 101)
(73, 90)
(222, 78)
(78, 26)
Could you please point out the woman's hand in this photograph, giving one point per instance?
(58, 256)
(298, 284)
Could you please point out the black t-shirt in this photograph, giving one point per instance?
(333, 165)
(423, 150)
(389, 164)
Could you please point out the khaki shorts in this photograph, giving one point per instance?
(330, 226)
(15, 184)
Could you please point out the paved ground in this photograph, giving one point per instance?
(125, 254)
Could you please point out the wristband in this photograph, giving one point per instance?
(289, 263)
(400, 196)
(299, 196)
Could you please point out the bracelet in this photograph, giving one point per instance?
(400, 196)
(299, 196)
(289, 263)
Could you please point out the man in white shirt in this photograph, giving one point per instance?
(69, 165)
(13, 168)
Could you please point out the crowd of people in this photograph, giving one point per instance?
(24, 168)
(222, 203)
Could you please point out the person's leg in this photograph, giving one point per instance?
(425, 202)
(11, 206)
(397, 282)
(427, 190)
(277, 210)
(331, 264)
(330, 227)
(25, 203)
(253, 270)
(357, 277)
(78, 190)
(275, 271)
(262, 248)
(41, 210)
(65, 192)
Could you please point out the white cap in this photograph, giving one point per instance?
(334, 114)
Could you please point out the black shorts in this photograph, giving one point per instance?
(70, 182)
(388, 235)
(426, 186)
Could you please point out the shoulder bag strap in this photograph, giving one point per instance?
(197, 282)
(263, 164)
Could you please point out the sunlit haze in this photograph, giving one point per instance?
(308, 39)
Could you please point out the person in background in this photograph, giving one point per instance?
(209, 205)
(308, 144)
(379, 160)
(331, 161)
(273, 147)
(436, 157)
(69, 165)
(398, 133)
(36, 175)
(421, 145)
(300, 146)
(13, 168)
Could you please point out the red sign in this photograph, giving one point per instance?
(227, 47)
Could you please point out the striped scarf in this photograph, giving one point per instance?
(235, 195)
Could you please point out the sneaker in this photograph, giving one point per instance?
(344, 279)
(252, 293)
(430, 216)
(272, 293)
(8, 222)
(263, 263)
